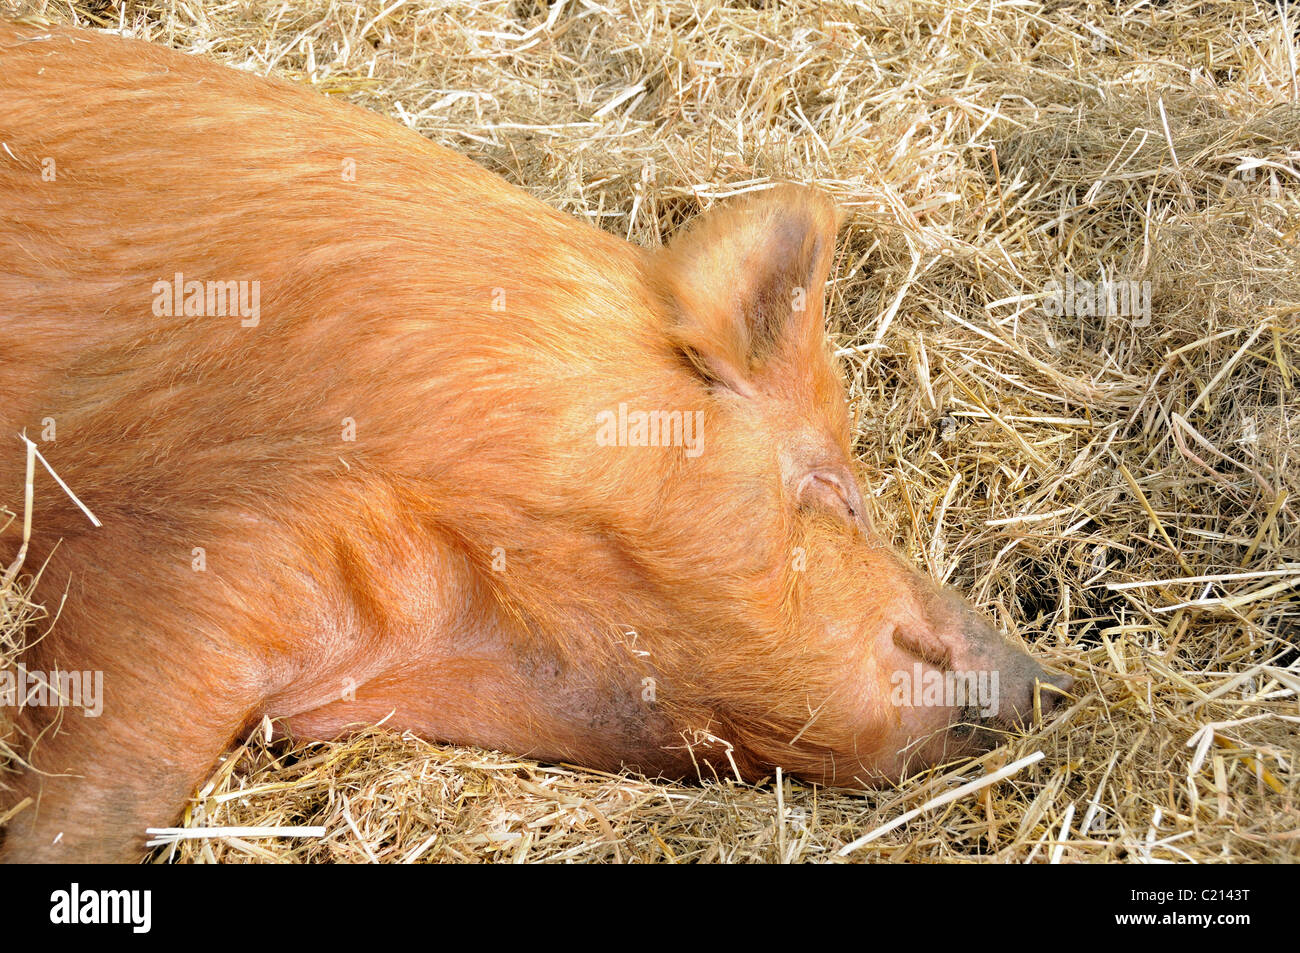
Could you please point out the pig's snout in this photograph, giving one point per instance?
(1026, 679)
(960, 686)
(1009, 676)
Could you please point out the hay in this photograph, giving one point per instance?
(1122, 494)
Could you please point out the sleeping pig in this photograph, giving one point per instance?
(369, 434)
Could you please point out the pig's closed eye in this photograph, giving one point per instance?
(833, 490)
(927, 650)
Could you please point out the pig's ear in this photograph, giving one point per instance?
(743, 285)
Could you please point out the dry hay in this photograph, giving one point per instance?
(1067, 471)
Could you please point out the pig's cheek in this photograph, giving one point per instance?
(899, 723)
(926, 726)
(876, 721)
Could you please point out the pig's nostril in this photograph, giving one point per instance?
(1054, 692)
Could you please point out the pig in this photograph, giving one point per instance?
(372, 435)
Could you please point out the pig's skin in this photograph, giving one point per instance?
(474, 565)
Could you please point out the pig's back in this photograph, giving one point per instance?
(398, 283)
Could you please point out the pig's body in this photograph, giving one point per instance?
(477, 564)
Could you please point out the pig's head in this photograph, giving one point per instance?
(802, 639)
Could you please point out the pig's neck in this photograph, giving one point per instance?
(460, 644)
